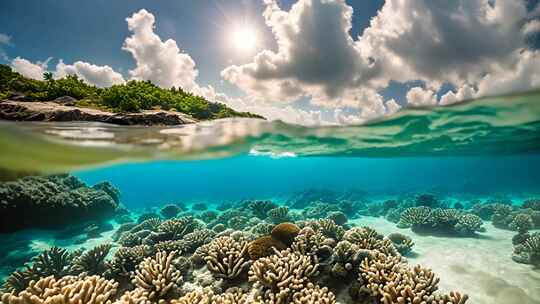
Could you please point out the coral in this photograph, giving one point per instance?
(279, 215)
(532, 204)
(308, 241)
(197, 238)
(146, 216)
(130, 239)
(53, 202)
(329, 229)
(445, 218)
(173, 230)
(170, 211)
(369, 239)
(151, 224)
(227, 257)
(68, 290)
(231, 296)
(263, 247)
(402, 242)
(522, 223)
(93, 261)
(415, 217)
(238, 222)
(123, 228)
(261, 208)
(488, 211)
(125, 261)
(338, 217)
(157, 278)
(262, 228)
(344, 258)
(528, 251)
(285, 233)
(314, 294)
(469, 223)
(393, 215)
(279, 276)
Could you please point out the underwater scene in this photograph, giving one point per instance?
(270, 152)
(275, 213)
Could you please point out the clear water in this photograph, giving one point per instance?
(478, 152)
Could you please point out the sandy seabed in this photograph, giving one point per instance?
(480, 266)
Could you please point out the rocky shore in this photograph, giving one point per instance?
(54, 111)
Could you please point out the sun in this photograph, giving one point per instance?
(244, 39)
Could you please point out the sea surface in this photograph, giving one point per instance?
(476, 153)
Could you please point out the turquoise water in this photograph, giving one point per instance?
(453, 189)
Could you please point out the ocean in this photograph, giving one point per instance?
(236, 210)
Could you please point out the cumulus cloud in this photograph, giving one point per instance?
(478, 46)
(28, 68)
(419, 96)
(162, 62)
(101, 76)
(5, 38)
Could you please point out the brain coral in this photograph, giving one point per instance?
(285, 232)
(263, 247)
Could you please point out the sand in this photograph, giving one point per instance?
(480, 266)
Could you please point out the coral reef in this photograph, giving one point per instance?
(93, 261)
(279, 215)
(227, 257)
(170, 211)
(157, 278)
(53, 202)
(402, 242)
(285, 233)
(67, 290)
(528, 250)
(440, 220)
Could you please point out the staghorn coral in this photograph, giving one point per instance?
(278, 215)
(227, 257)
(343, 258)
(208, 216)
(130, 239)
(68, 290)
(314, 294)
(262, 228)
(238, 222)
(285, 232)
(445, 218)
(174, 229)
(92, 261)
(279, 276)
(231, 296)
(369, 239)
(53, 202)
(195, 239)
(150, 224)
(402, 242)
(156, 278)
(263, 247)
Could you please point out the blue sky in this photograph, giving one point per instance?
(94, 32)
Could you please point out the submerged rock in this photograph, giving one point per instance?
(53, 202)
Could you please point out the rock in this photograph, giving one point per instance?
(16, 96)
(52, 111)
(54, 202)
(66, 101)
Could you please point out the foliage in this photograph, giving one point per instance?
(133, 96)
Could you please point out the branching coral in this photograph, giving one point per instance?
(369, 239)
(522, 223)
(231, 296)
(279, 276)
(308, 241)
(261, 208)
(313, 294)
(157, 278)
(279, 215)
(125, 261)
(528, 251)
(227, 257)
(402, 242)
(532, 204)
(68, 290)
(92, 261)
(469, 223)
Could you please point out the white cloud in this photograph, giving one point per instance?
(162, 62)
(463, 93)
(28, 68)
(531, 27)
(419, 96)
(101, 76)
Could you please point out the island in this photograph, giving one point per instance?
(135, 102)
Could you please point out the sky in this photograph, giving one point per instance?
(306, 61)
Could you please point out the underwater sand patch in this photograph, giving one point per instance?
(481, 266)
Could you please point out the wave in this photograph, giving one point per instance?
(503, 125)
